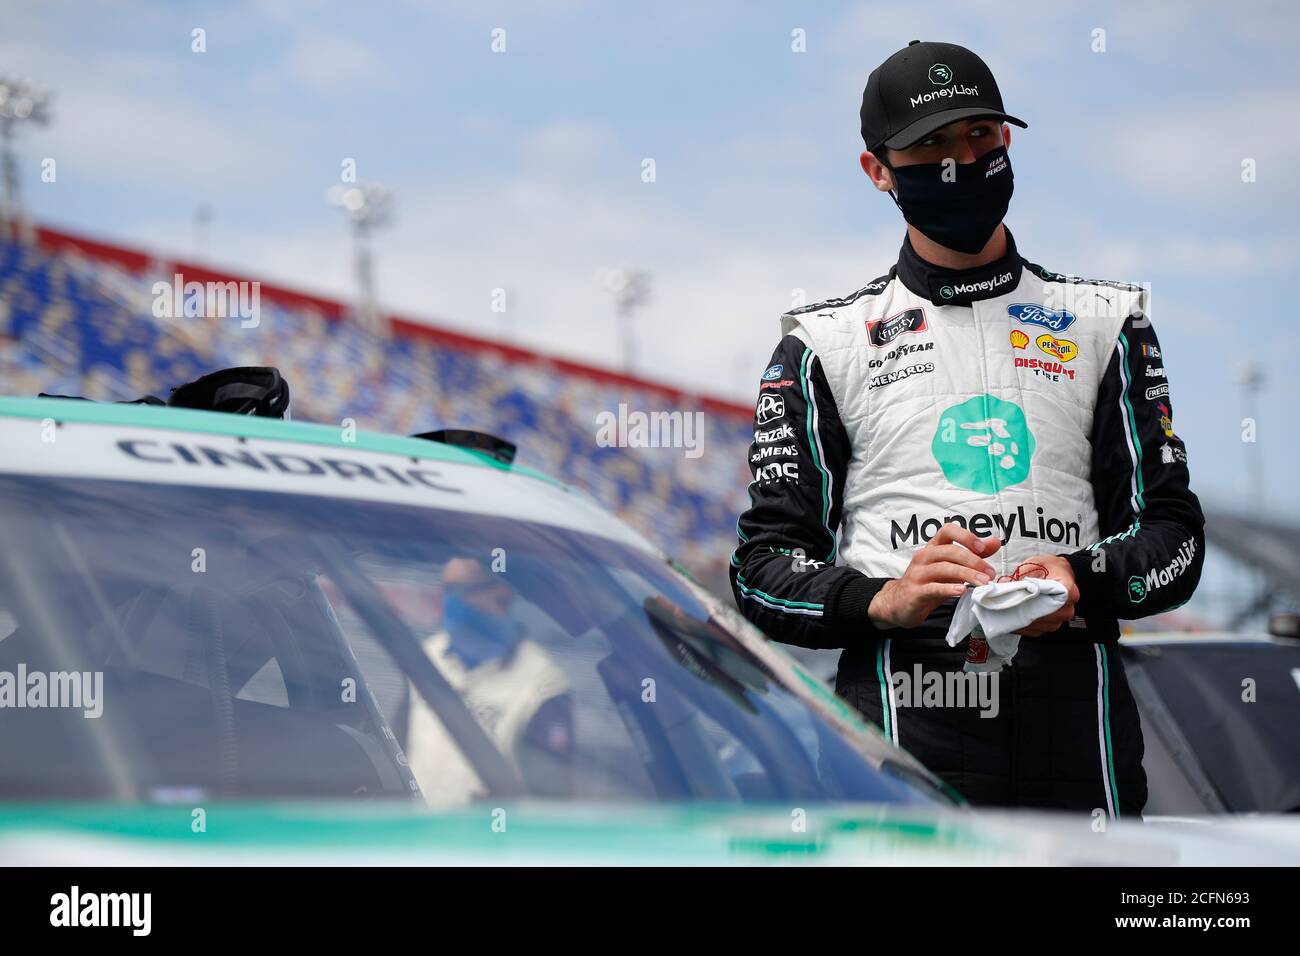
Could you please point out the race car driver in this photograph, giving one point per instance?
(967, 417)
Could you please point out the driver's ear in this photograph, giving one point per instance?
(1006, 136)
(876, 171)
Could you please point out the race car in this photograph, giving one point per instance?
(230, 638)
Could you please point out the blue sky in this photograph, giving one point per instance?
(522, 169)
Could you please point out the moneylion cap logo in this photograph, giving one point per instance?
(983, 444)
(946, 292)
(940, 75)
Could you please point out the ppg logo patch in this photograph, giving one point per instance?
(883, 331)
(1058, 320)
(770, 408)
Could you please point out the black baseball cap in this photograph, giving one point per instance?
(924, 86)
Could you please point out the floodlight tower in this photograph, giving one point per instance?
(22, 104)
(631, 290)
(368, 206)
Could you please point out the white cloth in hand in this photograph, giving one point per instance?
(1000, 609)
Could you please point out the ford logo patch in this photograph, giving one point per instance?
(773, 373)
(1058, 320)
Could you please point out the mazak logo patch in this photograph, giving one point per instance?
(883, 331)
(1058, 320)
(773, 435)
(983, 444)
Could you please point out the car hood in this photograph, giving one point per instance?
(605, 835)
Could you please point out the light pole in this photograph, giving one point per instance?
(368, 206)
(202, 226)
(21, 102)
(631, 290)
(1250, 376)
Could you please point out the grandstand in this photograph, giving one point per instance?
(77, 317)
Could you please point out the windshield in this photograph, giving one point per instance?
(169, 642)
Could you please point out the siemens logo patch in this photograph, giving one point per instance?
(1058, 320)
(1015, 524)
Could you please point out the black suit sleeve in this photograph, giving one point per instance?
(1153, 545)
(783, 573)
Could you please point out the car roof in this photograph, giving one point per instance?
(581, 511)
(248, 426)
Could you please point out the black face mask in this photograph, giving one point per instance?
(960, 214)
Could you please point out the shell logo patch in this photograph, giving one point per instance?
(1019, 339)
(1063, 349)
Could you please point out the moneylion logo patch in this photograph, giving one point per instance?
(940, 75)
(970, 288)
(983, 444)
(1156, 578)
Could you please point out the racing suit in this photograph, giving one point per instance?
(1017, 403)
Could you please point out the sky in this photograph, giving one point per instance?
(523, 169)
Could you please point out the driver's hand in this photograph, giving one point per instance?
(940, 570)
(1058, 569)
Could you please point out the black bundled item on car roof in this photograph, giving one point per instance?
(243, 390)
(500, 449)
(142, 400)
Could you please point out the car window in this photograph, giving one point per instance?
(253, 644)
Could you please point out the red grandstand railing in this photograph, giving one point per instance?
(137, 262)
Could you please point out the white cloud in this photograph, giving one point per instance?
(329, 64)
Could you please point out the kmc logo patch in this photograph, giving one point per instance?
(983, 444)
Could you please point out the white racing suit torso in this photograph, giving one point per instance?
(1023, 405)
